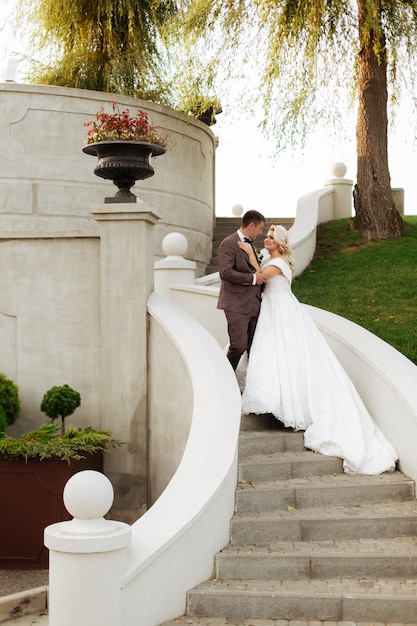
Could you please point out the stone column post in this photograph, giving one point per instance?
(126, 282)
(343, 202)
(174, 268)
(87, 556)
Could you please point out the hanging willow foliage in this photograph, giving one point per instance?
(104, 45)
(304, 61)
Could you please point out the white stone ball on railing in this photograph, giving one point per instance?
(88, 495)
(237, 210)
(338, 169)
(175, 244)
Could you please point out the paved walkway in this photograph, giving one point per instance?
(29, 620)
(40, 620)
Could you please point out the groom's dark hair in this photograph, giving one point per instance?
(252, 217)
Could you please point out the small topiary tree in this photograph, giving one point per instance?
(60, 402)
(9, 402)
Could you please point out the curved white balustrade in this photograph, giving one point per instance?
(174, 542)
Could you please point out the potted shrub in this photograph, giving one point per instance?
(34, 469)
(203, 108)
(9, 402)
(60, 402)
(123, 144)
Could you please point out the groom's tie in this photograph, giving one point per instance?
(250, 242)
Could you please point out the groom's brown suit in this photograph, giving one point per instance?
(239, 297)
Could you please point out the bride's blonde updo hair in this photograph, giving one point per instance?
(281, 237)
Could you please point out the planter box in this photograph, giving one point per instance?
(31, 499)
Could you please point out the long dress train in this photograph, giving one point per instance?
(293, 374)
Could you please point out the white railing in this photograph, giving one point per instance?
(174, 543)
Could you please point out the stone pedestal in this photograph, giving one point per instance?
(126, 282)
(87, 556)
(174, 268)
(342, 203)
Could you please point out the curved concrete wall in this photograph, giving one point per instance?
(47, 183)
(312, 209)
(174, 542)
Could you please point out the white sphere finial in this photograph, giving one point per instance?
(338, 169)
(88, 495)
(237, 210)
(175, 244)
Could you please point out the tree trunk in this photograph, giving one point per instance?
(376, 215)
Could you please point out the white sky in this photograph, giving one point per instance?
(246, 174)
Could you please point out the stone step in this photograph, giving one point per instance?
(282, 466)
(265, 421)
(386, 519)
(396, 557)
(310, 544)
(318, 491)
(347, 599)
(268, 442)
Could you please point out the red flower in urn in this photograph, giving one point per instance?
(123, 145)
(121, 126)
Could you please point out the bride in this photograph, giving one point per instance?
(293, 374)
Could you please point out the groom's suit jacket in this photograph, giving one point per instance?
(237, 292)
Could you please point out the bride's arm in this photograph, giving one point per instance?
(267, 272)
(246, 247)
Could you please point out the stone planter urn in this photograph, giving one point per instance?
(123, 162)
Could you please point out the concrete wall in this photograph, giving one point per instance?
(47, 182)
(170, 408)
(49, 322)
(77, 273)
(73, 310)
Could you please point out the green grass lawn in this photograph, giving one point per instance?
(373, 284)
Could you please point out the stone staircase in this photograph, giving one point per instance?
(310, 543)
(227, 225)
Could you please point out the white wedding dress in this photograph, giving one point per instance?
(293, 374)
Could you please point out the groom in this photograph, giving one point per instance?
(240, 290)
